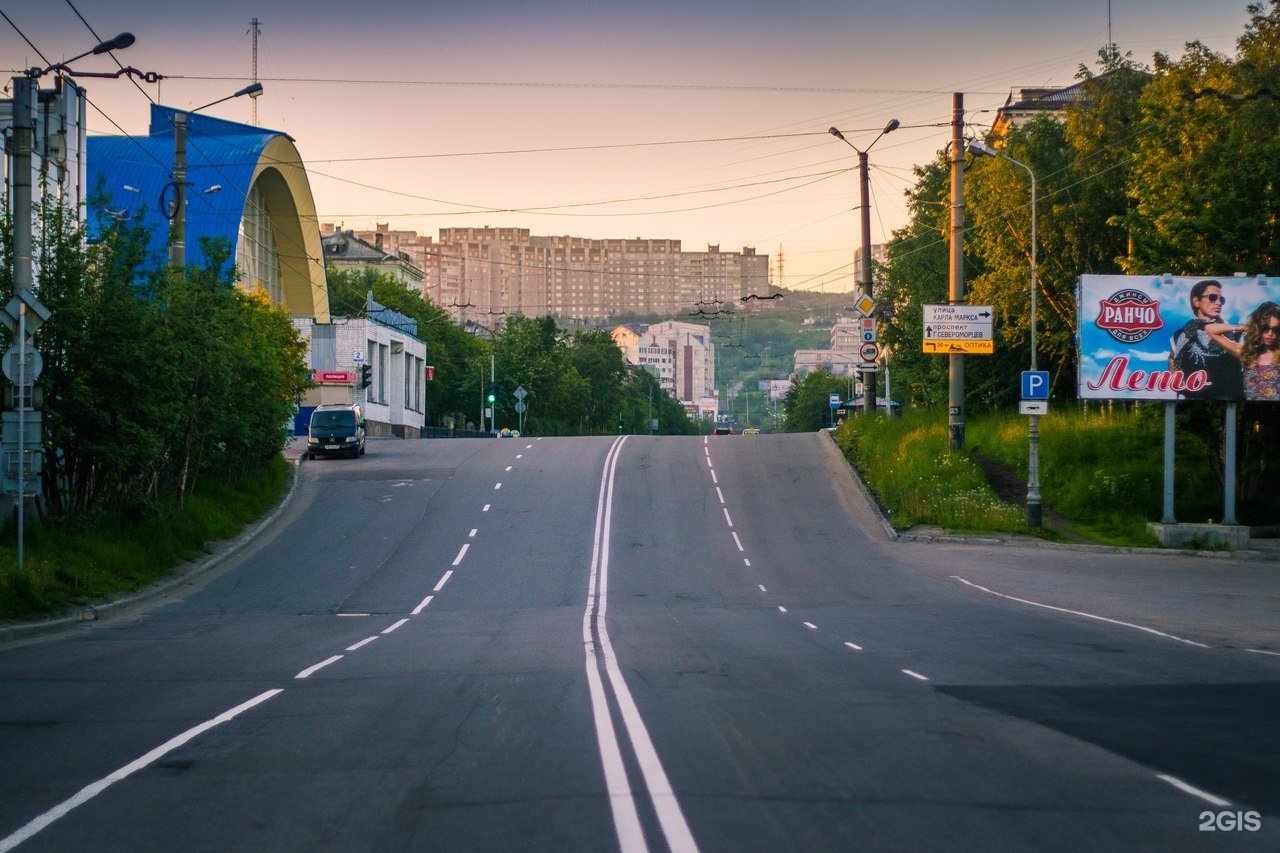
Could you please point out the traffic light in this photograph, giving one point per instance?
(493, 393)
(366, 375)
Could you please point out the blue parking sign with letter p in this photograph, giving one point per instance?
(1035, 385)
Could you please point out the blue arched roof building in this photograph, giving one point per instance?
(245, 185)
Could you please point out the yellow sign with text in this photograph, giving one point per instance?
(960, 347)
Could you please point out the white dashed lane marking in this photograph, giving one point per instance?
(306, 673)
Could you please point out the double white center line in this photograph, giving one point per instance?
(600, 656)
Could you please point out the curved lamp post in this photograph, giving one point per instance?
(178, 216)
(1034, 510)
(864, 269)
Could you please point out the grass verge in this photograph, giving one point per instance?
(1100, 467)
(906, 461)
(110, 555)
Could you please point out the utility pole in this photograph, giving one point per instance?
(955, 383)
(864, 271)
(24, 131)
(178, 237)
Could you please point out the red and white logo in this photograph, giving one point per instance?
(1129, 316)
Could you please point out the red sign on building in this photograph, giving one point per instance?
(333, 377)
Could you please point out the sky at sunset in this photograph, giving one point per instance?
(704, 122)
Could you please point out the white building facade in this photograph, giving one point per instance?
(395, 403)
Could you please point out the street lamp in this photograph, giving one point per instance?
(868, 377)
(178, 214)
(1034, 510)
(120, 42)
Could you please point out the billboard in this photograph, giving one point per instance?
(1178, 337)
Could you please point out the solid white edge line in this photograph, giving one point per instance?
(388, 630)
(462, 552)
(306, 673)
(1263, 652)
(444, 579)
(92, 790)
(422, 606)
(1081, 613)
(915, 675)
(1194, 791)
(360, 645)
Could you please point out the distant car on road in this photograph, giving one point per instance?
(723, 430)
(751, 431)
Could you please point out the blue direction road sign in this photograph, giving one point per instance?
(1035, 385)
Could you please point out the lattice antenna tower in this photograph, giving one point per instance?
(256, 31)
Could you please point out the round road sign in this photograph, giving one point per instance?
(22, 357)
(869, 351)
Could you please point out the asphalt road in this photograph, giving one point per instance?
(648, 643)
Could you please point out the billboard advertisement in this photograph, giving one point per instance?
(1179, 337)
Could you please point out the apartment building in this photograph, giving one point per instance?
(643, 349)
(481, 274)
(681, 354)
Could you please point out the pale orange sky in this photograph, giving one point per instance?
(703, 122)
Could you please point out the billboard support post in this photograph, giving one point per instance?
(1169, 430)
(1229, 463)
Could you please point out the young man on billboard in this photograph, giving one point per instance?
(1206, 342)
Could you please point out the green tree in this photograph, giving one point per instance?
(808, 402)
(917, 273)
(998, 197)
(453, 393)
(598, 361)
(643, 397)
(533, 354)
(151, 376)
(1204, 201)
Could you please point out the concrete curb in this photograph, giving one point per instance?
(93, 612)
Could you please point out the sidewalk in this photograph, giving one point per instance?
(295, 448)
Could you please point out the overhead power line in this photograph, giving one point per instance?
(561, 84)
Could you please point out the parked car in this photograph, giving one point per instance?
(336, 430)
(722, 430)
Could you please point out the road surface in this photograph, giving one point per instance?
(648, 643)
